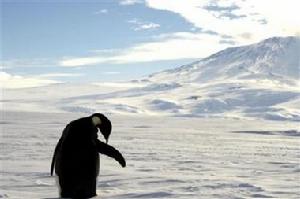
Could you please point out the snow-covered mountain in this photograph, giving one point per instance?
(275, 58)
(255, 81)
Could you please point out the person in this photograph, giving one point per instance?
(76, 156)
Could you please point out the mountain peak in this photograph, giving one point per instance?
(279, 40)
(276, 57)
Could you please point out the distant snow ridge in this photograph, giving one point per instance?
(259, 80)
(255, 81)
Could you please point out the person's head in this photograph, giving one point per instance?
(104, 124)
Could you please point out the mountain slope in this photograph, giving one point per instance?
(261, 80)
(258, 80)
(274, 58)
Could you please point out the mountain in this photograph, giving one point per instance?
(261, 80)
(257, 81)
(274, 58)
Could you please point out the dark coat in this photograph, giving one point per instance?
(76, 158)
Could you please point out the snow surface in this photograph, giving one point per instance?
(167, 157)
(226, 126)
(261, 80)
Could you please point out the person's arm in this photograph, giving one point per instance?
(110, 151)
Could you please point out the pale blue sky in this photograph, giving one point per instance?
(110, 40)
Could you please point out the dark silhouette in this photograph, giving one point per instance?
(76, 156)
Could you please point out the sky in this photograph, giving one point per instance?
(70, 41)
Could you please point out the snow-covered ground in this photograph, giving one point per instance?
(167, 157)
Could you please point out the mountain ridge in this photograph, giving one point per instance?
(259, 80)
(277, 56)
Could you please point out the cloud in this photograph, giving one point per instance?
(139, 25)
(15, 81)
(2, 67)
(262, 21)
(111, 73)
(60, 75)
(148, 26)
(236, 17)
(230, 15)
(246, 35)
(216, 7)
(180, 45)
(227, 41)
(37, 62)
(102, 11)
(82, 61)
(130, 2)
(224, 11)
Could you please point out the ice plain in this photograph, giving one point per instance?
(167, 157)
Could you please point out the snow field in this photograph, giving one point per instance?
(167, 157)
